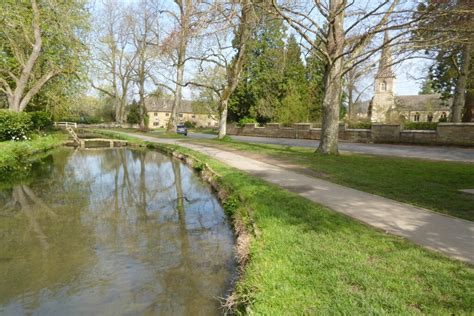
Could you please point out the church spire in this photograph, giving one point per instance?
(385, 66)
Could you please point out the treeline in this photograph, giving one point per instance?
(277, 85)
(238, 55)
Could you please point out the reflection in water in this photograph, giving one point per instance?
(112, 231)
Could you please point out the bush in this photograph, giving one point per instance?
(15, 126)
(41, 120)
(81, 119)
(189, 124)
(246, 120)
(420, 126)
(360, 125)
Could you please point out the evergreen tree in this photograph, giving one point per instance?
(427, 87)
(294, 106)
(259, 91)
(315, 70)
(133, 116)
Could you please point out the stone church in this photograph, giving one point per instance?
(386, 107)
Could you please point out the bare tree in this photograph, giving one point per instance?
(176, 45)
(348, 31)
(236, 19)
(145, 38)
(114, 59)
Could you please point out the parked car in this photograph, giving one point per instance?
(181, 129)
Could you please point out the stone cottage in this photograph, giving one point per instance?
(159, 112)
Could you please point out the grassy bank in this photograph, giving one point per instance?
(430, 184)
(306, 259)
(14, 154)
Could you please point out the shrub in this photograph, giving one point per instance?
(14, 126)
(41, 120)
(246, 120)
(420, 125)
(189, 124)
(360, 125)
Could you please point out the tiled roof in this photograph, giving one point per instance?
(422, 102)
(155, 104)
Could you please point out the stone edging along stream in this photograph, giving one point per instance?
(244, 232)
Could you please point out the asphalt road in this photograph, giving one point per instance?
(446, 153)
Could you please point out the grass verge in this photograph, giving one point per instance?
(14, 154)
(307, 259)
(430, 184)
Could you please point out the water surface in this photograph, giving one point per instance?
(112, 232)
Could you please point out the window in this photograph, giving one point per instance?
(416, 118)
(383, 86)
(194, 116)
(156, 123)
(444, 115)
(180, 114)
(208, 123)
(430, 117)
(209, 116)
(155, 114)
(167, 114)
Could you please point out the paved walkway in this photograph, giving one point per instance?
(444, 153)
(452, 236)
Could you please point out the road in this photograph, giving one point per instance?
(445, 153)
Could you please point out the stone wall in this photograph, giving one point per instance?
(109, 125)
(461, 134)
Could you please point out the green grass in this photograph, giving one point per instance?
(203, 130)
(307, 259)
(159, 132)
(13, 153)
(430, 184)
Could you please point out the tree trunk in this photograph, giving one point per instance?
(178, 95)
(469, 107)
(185, 12)
(235, 70)
(459, 98)
(333, 80)
(223, 118)
(141, 93)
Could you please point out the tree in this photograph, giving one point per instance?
(345, 44)
(113, 60)
(145, 39)
(134, 114)
(427, 86)
(238, 19)
(39, 43)
(446, 34)
(315, 70)
(259, 93)
(295, 92)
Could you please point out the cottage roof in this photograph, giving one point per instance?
(422, 102)
(163, 104)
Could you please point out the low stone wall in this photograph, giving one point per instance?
(461, 134)
(109, 125)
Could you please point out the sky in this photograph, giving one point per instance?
(408, 73)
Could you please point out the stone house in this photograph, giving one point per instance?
(386, 107)
(159, 112)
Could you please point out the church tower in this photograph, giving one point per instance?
(384, 97)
